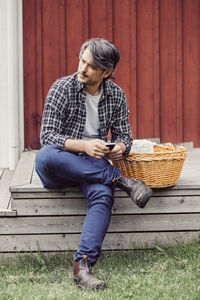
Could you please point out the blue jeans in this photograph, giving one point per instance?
(58, 168)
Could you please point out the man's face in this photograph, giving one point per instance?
(88, 72)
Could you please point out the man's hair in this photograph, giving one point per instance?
(105, 54)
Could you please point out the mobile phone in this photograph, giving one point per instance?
(110, 145)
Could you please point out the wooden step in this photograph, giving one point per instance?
(51, 219)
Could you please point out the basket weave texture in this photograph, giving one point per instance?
(159, 169)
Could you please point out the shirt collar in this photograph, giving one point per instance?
(107, 87)
(80, 86)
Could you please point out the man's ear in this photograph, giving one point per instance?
(107, 73)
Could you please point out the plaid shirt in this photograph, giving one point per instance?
(64, 114)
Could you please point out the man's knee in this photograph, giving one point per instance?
(44, 157)
(100, 194)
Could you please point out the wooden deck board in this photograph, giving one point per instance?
(24, 170)
(190, 175)
(119, 223)
(5, 179)
(52, 219)
(1, 172)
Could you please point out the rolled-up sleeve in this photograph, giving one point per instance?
(52, 119)
(121, 131)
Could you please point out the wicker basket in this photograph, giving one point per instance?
(158, 169)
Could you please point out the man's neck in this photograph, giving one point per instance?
(93, 90)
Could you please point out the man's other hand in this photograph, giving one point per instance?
(117, 152)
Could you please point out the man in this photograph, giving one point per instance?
(79, 111)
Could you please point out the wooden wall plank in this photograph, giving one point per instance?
(191, 70)
(51, 51)
(63, 242)
(85, 24)
(145, 69)
(109, 20)
(62, 38)
(36, 118)
(179, 63)
(29, 55)
(156, 69)
(168, 70)
(133, 69)
(76, 20)
(98, 17)
(121, 25)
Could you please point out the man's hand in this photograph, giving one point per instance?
(96, 148)
(117, 152)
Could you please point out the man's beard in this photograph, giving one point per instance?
(88, 80)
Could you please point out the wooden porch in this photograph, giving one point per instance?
(33, 218)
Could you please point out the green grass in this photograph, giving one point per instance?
(172, 273)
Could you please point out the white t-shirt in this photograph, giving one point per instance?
(91, 130)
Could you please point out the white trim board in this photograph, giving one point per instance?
(11, 83)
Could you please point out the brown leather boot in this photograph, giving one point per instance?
(84, 277)
(135, 189)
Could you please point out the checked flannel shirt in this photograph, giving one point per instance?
(64, 114)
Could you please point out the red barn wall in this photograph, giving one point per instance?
(159, 42)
